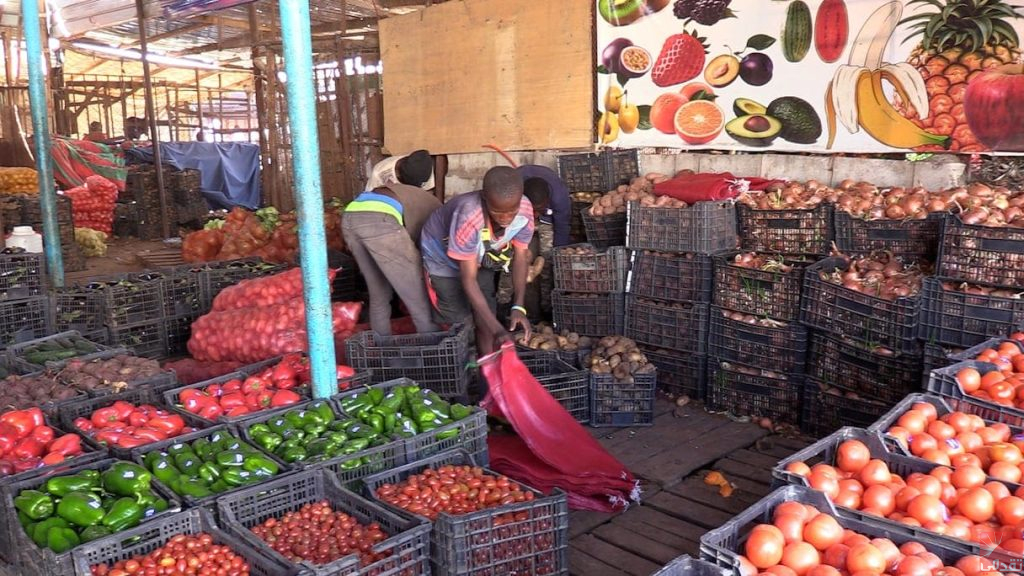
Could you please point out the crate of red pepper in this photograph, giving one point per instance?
(30, 446)
(124, 421)
(252, 390)
(509, 529)
(361, 537)
(191, 538)
(50, 516)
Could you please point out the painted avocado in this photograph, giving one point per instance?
(754, 129)
(800, 122)
(744, 106)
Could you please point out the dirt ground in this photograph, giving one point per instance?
(123, 255)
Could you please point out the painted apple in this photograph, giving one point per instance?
(994, 106)
(663, 112)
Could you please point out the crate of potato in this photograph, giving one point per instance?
(581, 202)
(605, 220)
(623, 383)
(565, 344)
(759, 284)
(665, 224)
(584, 268)
(598, 171)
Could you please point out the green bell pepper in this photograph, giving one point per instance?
(392, 402)
(337, 438)
(389, 422)
(178, 448)
(353, 464)
(360, 430)
(124, 514)
(238, 477)
(319, 447)
(40, 529)
(294, 433)
(67, 484)
(406, 427)
(94, 533)
(376, 396)
(209, 472)
(219, 486)
(438, 408)
(376, 421)
(279, 424)
(218, 438)
(188, 463)
(152, 457)
(127, 479)
(295, 418)
(230, 458)
(162, 467)
(152, 504)
(194, 488)
(267, 440)
(460, 411)
(202, 448)
(323, 409)
(24, 520)
(314, 430)
(34, 504)
(261, 465)
(259, 429)
(356, 445)
(61, 540)
(356, 404)
(342, 425)
(294, 454)
(81, 509)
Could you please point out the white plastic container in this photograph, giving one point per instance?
(27, 238)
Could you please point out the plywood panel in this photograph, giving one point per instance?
(465, 73)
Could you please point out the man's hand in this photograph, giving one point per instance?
(503, 336)
(519, 320)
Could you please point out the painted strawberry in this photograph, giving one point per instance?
(681, 59)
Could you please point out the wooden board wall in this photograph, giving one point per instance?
(465, 73)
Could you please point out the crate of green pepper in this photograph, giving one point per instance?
(49, 516)
(316, 434)
(35, 354)
(204, 464)
(427, 423)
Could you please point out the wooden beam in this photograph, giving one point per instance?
(389, 4)
(171, 33)
(351, 27)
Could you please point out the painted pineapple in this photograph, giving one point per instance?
(957, 40)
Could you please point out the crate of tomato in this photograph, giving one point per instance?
(518, 530)
(31, 446)
(317, 434)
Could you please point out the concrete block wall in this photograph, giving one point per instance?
(466, 171)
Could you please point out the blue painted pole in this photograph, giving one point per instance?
(41, 131)
(298, 66)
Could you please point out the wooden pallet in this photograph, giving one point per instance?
(671, 459)
(161, 258)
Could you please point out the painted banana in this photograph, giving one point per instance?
(857, 97)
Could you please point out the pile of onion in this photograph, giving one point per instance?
(788, 195)
(756, 261)
(868, 201)
(978, 290)
(881, 275)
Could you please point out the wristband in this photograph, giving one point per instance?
(518, 308)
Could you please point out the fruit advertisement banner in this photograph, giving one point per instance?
(858, 76)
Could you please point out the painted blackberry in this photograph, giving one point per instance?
(706, 12)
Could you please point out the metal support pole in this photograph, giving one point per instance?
(298, 62)
(199, 100)
(41, 130)
(151, 115)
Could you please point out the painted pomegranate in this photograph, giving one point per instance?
(994, 106)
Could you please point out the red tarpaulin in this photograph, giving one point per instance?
(706, 186)
(551, 448)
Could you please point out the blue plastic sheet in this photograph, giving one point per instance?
(230, 170)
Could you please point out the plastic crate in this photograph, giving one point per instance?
(570, 357)
(132, 299)
(882, 424)
(935, 356)
(973, 352)
(160, 382)
(671, 277)
(780, 349)
(471, 437)
(787, 231)
(184, 292)
(679, 374)
(566, 383)
(869, 320)
(605, 231)
(89, 454)
(686, 565)
(22, 275)
(676, 326)
(139, 453)
(942, 382)
(78, 308)
(68, 340)
(146, 339)
(759, 292)
(577, 231)
(979, 254)
(960, 319)
(593, 315)
(142, 540)
(536, 542)
(348, 285)
(408, 542)
(722, 546)
(823, 413)
(703, 228)
(375, 459)
(31, 559)
(436, 361)
(598, 172)
(906, 238)
(776, 397)
(83, 408)
(592, 271)
(24, 320)
(179, 331)
(881, 377)
(618, 404)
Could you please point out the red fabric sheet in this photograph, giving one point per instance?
(551, 449)
(706, 186)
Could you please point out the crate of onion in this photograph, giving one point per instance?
(984, 250)
(791, 218)
(744, 390)
(906, 222)
(872, 299)
(826, 408)
(510, 529)
(351, 535)
(771, 344)
(872, 372)
(957, 313)
(760, 284)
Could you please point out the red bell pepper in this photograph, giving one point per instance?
(286, 384)
(284, 398)
(149, 434)
(105, 417)
(283, 371)
(138, 418)
(266, 373)
(83, 424)
(29, 448)
(342, 372)
(233, 400)
(67, 445)
(109, 437)
(194, 400)
(147, 409)
(25, 464)
(23, 421)
(255, 384)
(169, 424)
(129, 442)
(123, 409)
(43, 435)
(215, 390)
(8, 438)
(238, 411)
(54, 458)
(264, 399)
(211, 410)
(232, 386)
